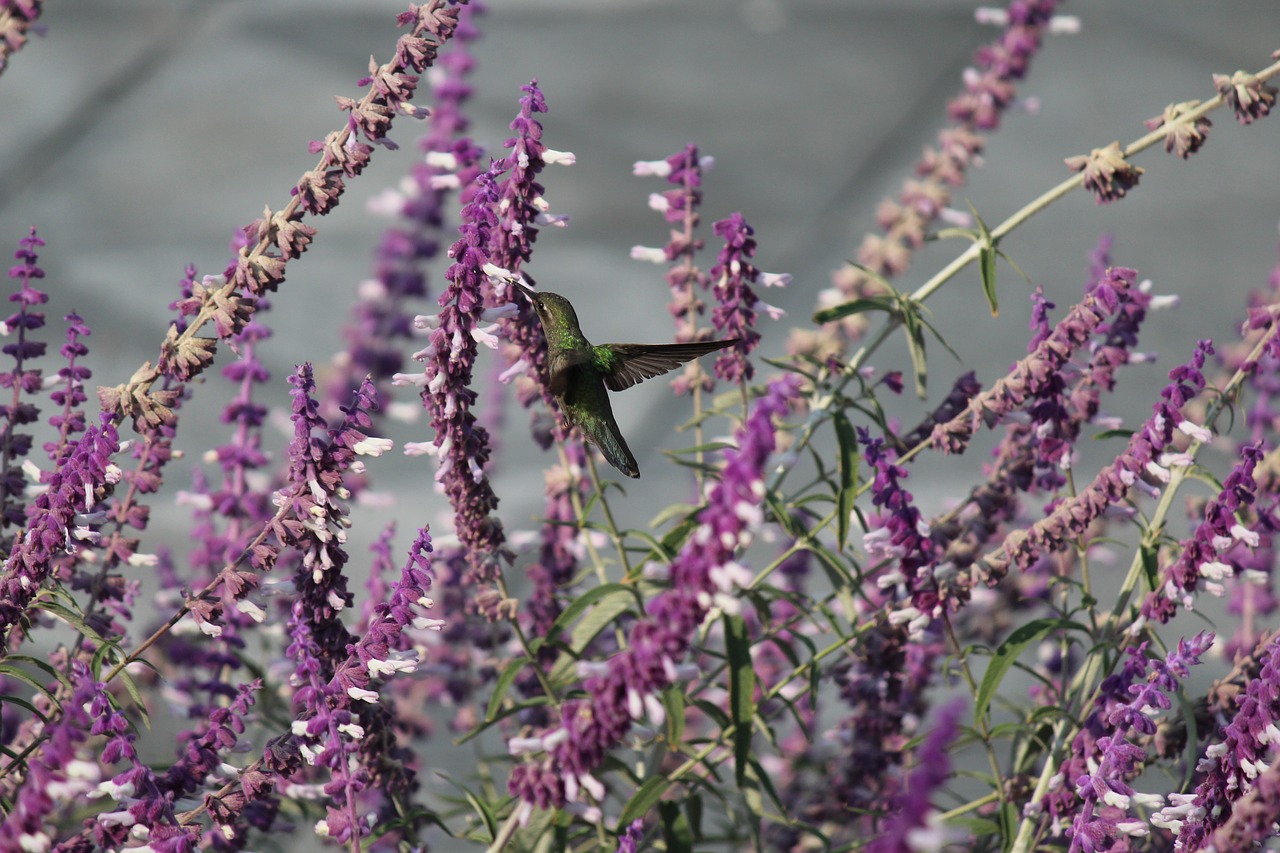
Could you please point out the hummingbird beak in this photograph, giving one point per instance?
(529, 292)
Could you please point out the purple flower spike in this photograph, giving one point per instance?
(1039, 370)
(461, 445)
(1072, 517)
(702, 573)
(907, 827)
(76, 486)
(1233, 767)
(735, 312)
(1104, 758)
(25, 379)
(679, 207)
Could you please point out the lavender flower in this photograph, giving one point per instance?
(460, 444)
(1073, 516)
(735, 312)
(911, 815)
(1107, 174)
(1182, 137)
(1249, 97)
(698, 575)
(1118, 760)
(1039, 369)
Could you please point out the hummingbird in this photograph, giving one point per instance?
(579, 372)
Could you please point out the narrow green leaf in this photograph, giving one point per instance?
(643, 800)
(580, 604)
(75, 620)
(742, 688)
(617, 601)
(1005, 657)
(1150, 566)
(675, 828)
(848, 441)
(503, 684)
(673, 703)
(25, 677)
(986, 261)
(915, 346)
(856, 306)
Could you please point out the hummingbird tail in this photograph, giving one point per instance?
(616, 452)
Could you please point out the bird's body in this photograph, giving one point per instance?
(581, 374)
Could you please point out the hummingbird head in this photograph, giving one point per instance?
(553, 310)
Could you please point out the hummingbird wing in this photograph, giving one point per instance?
(626, 364)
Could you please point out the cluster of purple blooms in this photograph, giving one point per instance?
(708, 655)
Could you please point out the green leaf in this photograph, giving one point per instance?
(915, 345)
(987, 262)
(503, 684)
(616, 600)
(75, 620)
(643, 800)
(856, 306)
(848, 442)
(25, 677)
(975, 826)
(609, 591)
(742, 689)
(673, 703)
(1009, 816)
(1005, 657)
(1150, 566)
(675, 828)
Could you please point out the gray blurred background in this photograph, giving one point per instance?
(138, 135)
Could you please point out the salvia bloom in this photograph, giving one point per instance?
(1202, 556)
(679, 207)
(1118, 760)
(381, 319)
(703, 571)
(1182, 136)
(1249, 97)
(461, 445)
(1107, 174)
(910, 816)
(1242, 753)
(1140, 459)
(75, 489)
(522, 209)
(735, 312)
(1040, 368)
